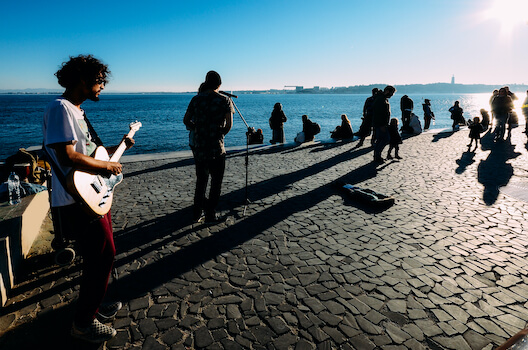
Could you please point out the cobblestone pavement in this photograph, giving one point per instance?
(307, 267)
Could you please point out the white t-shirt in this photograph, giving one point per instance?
(62, 123)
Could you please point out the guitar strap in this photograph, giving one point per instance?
(91, 130)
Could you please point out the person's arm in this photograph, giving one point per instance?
(187, 120)
(128, 141)
(68, 156)
(228, 122)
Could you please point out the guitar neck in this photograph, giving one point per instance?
(121, 148)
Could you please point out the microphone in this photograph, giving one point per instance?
(227, 94)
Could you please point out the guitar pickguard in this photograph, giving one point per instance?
(101, 183)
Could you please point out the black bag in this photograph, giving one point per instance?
(316, 129)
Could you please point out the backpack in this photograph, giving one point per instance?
(316, 129)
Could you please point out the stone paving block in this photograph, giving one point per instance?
(414, 331)
(456, 312)
(441, 315)
(398, 306)
(397, 335)
(375, 317)
(428, 327)
(367, 326)
(491, 327)
(476, 341)
(455, 343)
(361, 342)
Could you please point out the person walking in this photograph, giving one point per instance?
(380, 120)
(502, 105)
(209, 117)
(365, 129)
(69, 139)
(276, 122)
(456, 114)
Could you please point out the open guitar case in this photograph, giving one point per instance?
(367, 198)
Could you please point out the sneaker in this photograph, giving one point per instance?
(198, 217)
(108, 311)
(96, 332)
(389, 156)
(211, 218)
(398, 157)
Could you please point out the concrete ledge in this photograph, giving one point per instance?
(19, 228)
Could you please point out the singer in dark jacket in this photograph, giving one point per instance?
(209, 118)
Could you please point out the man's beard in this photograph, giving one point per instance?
(94, 98)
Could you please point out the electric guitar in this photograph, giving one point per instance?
(96, 190)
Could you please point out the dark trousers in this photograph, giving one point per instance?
(382, 139)
(215, 168)
(95, 242)
(427, 122)
(406, 120)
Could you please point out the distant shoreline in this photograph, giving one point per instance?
(439, 88)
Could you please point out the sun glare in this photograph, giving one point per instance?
(509, 14)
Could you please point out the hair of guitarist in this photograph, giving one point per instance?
(85, 68)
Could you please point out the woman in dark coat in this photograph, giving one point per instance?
(276, 121)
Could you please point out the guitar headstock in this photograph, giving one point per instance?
(135, 125)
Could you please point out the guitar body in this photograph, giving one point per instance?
(95, 190)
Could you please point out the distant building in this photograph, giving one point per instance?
(453, 79)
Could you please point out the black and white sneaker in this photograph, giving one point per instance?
(96, 332)
(108, 311)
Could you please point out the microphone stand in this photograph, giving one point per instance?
(231, 96)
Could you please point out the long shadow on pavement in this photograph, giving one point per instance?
(170, 266)
(49, 330)
(154, 234)
(147, 234)
(442, 135)
(495, 171)
(135, 236)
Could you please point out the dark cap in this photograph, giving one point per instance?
(212, 79)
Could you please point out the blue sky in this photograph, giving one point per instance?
(170, 45)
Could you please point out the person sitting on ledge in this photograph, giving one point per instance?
(310, 129)
(343, 131)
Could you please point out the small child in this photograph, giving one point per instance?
(395, 139)
(475, 128)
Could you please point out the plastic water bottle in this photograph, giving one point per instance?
(13, 186)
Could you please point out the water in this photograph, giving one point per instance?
(162, 116)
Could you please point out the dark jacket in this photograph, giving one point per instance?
(277, 119)
(406, 103)
(380, 110)
(502, 105)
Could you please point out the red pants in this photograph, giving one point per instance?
(95, 242)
